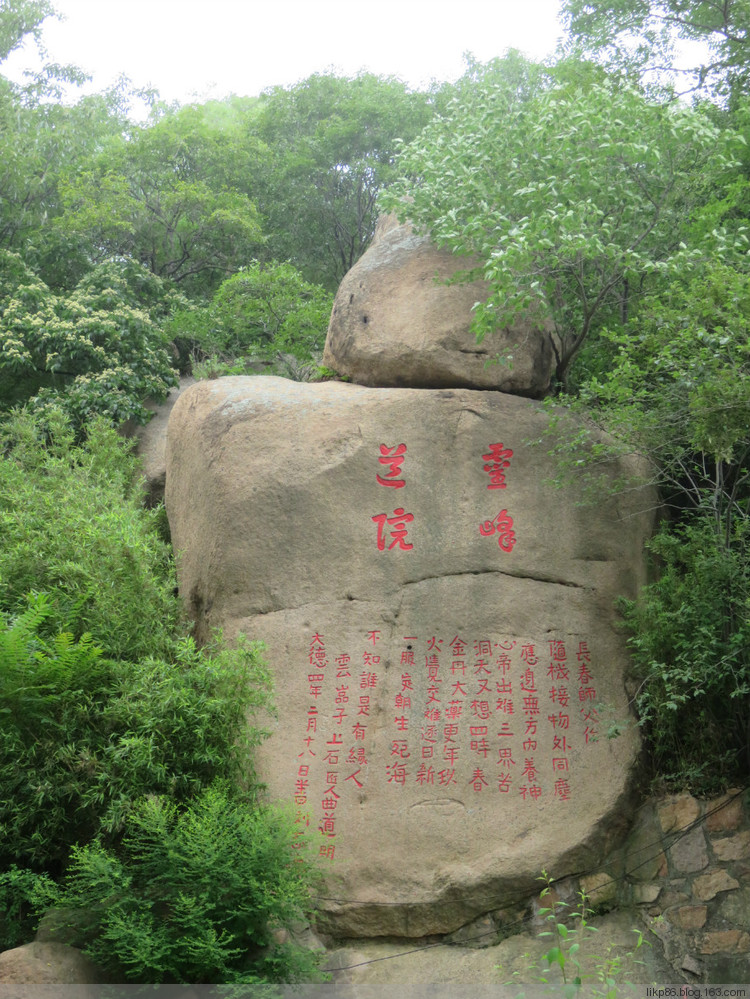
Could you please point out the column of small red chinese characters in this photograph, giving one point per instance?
(559, 697)
(392, 528)
(396, 770)
(506, 764)
(558, 674)
(356, 760)
(479, 712)
(501, 524)
(328, 794)
(316, 675)
(529, 692)
(425, 775)
(587, 694)
(453, 708)
(332, 750)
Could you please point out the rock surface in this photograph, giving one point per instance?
(511, 961)
(440, 625)
(395, 322)
(45, 963)
(151, 441)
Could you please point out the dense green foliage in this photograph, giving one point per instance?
(195, 895)
(23, 895)
(85, 737)
(645, 35)
(332, 144)
(690, 638)
(98, 351)
(263, 312)
(678, 378)
(174, 195)
(73, 527)
(107, 709)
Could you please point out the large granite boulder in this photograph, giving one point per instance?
(396, 322)
(440, 623)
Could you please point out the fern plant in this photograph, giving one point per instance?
(193, 895)
(83, 737)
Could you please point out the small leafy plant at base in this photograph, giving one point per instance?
(194, 895)
(569, 964)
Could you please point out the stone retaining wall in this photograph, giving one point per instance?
(682, 875)
(685, 867)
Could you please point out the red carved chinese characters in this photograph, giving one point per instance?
(497, 461)
(587, 694)
(393, 458)
(396, 528)
(474, 715)
(502, 525)
(393, 528)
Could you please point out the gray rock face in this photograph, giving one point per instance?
(440, 625)
(513, 963)
(45, 963)
(151, 442)
(395, 322)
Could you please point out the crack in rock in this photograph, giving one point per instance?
(536, 578)
(349, 597)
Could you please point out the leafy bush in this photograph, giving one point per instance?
(112, 723)
(99, 350)
(265, 310)
(195, 896)
(72, 525)
(690, 639)
(24, 895)
(83, 738)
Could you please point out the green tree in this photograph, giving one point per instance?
(265, 310)
(578, 196)
(643, 34)
(100, 350)
(174, 195)
(43, 139)
(20, 18)
(332, 141)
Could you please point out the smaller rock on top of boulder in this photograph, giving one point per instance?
(396, 322)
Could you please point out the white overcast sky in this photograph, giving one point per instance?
(190, 49)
